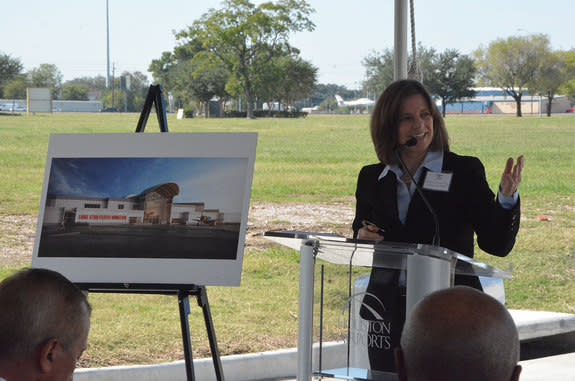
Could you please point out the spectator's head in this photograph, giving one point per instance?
(44, 324)
(459, 334)
(386, 116)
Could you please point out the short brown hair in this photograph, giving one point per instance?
(385, 119)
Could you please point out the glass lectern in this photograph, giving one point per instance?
(427, 268)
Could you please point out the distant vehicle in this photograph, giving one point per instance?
(12, 107)
(109, 109)
(366, 102)
(570, 109)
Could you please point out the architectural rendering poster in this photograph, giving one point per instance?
(148, 208)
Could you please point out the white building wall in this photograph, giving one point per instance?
(232, 218)
(53, 215)
(127, 204)
(107, 216)
(105, 212)
(120, 211)
(73, 203)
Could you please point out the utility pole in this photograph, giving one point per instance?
(113, 80)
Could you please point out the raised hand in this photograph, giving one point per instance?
(511, 177)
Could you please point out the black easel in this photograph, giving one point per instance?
(183, 292)
(155, 96)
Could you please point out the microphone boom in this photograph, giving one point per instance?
(410, 143)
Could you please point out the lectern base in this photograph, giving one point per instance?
(357, 374)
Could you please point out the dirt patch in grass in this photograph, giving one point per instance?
(327, 218)
(17, 232)
(17, 240)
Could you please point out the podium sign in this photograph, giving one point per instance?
(428, 268)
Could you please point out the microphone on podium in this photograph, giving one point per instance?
(410, 143)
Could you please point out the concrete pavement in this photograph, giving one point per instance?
(546, 335)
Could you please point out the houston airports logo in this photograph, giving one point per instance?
(369, 325)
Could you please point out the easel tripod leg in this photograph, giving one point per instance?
(202, 297)
(184, 305)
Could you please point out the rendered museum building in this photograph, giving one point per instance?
(152, 206)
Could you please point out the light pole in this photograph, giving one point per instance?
(400, 41)
(107, 47)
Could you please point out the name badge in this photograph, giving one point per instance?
(438, 181)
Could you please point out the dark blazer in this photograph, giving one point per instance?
(468, 208)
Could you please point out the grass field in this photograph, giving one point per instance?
(314, 160)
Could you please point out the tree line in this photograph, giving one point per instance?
(240, 55)
(119, 95)
(515, 64)
(242, 51)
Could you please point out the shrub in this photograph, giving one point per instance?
(189, 112)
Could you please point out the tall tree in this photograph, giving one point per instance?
(171, 69)
(549, 78)
(246, 37)
(139, 86)
(451, 77)
(162, 67)
(379, 68)
(378, 71)
(47, 75)
(298, 81)
(130, 99)
(167, 71)
(285, 80)
(568, 87)
(512, 63)
(10, 68)
(208, 78)
(16, 88)
(75, 92)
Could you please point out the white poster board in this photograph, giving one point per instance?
(39, 99)
(146, 208)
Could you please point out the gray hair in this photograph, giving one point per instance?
(37, 305)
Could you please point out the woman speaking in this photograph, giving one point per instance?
(412, 144)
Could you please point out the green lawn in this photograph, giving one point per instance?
(316, 159)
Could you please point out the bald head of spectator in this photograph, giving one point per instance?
(44, 324)
(458, 334)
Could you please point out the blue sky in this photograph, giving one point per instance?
(219, 182)
(72, 34)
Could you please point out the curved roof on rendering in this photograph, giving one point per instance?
(168, 190)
